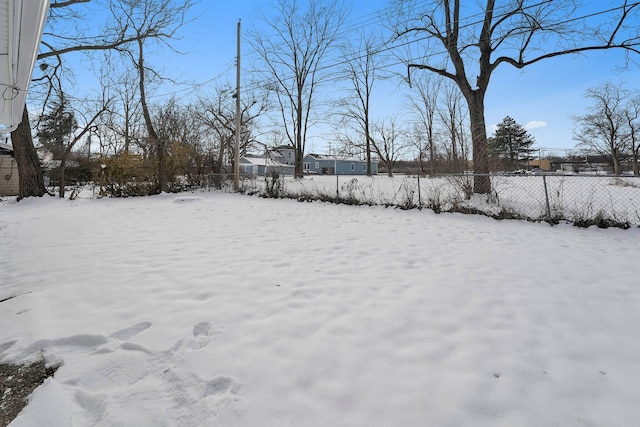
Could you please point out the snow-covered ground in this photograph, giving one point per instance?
(227, 310)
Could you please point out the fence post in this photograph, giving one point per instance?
(546, 196)
(337, 187)
(419, 193)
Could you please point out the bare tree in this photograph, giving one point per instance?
(300, 39)
(423, 104)
(350, 142)
(157, 21)
(88, 124)
(218, 114)
(389, 142)
(360, 69)
(179, 126)
(454, 121)
(125, 120)
(604, 130)
(632, 114)
(72, 27)
(467, 44)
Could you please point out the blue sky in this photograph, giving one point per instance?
(543, 96)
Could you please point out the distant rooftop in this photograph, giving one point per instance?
(5, 148)
(334, 157)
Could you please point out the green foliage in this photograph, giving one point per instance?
(511, 144)
(55, 126)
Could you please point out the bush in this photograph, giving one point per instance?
(273, 187)
(127, 175)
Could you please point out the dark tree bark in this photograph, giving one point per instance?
(31, 181)
(158, 143)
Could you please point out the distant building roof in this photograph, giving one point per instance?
(260, 161)
(338, 158)
(5, 148)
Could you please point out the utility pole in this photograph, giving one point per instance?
(236, 150)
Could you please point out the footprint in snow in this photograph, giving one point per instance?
(202, 333)
(6, 346)
(130, 332)
(187, 199)
(109, 382)
(220, 386)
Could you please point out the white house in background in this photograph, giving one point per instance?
(250, 165)
(9, 184)
(322, 164)
(327, 164)
(21, 25)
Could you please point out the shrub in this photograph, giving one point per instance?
(126, 175)
(273, 187)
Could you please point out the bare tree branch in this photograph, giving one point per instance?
(467, 50)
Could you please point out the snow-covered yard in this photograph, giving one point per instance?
(221, 309)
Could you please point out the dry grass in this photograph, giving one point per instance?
(17, 382)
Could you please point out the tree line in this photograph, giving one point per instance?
(449, 51)
(612, 127)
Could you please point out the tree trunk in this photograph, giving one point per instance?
(617, 169)
(481, 181)
(299, 153)
(163, 178)
(220, 160)
(31, 181)
(298, 167)
(63, 167)
(163, 175)
(432, 152)
(368, 144)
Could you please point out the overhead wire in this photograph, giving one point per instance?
(362, 22)
(386, 46)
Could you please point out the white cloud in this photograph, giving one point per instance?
(535, 124)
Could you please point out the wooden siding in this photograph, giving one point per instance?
(8, 176)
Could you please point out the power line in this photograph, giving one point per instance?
(363, 21)
(386, 46)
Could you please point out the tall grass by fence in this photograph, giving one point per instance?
(584, 200)
(581, 199)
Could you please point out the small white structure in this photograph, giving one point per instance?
(21, 25)
(263, 166)
(9, 184)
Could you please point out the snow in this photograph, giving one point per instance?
(221, 309)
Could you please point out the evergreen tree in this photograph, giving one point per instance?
(511, 143)
(55, 126)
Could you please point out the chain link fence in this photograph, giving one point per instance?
(581, 199)
(584, 200)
